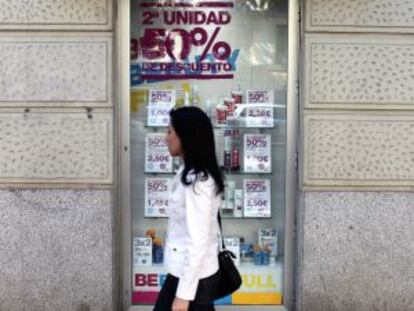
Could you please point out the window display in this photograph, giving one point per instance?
(230, 59)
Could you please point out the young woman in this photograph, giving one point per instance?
(191, 242)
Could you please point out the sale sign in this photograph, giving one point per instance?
(257, 153)
(257, 198)
(233, 245)
(157, 156)
(259, 111)
(160, 104)
(142, 251)
(157, 193)
(182, 40)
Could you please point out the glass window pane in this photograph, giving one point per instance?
(230, 59)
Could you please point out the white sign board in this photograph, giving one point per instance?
(257, 153)
(157, 156)
(257, 198)
(233, 245)
(142, 251)
(267, 238)
(159, 106)
(157, 194)
(259, 111)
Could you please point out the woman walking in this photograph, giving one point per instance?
(191, 242)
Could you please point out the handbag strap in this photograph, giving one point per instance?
(221, 230)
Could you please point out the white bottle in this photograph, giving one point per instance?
(229, 194)
(207, 108)
(238, 203)
(186, 99)
(195, 98)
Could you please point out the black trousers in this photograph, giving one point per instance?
(203, 300)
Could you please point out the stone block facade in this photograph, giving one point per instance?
(357, 156)
(57, 150)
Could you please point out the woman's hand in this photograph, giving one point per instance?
(180, 304)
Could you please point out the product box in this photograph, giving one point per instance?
(142, 251)
(267, 238)
(230, 186)
(233, 244)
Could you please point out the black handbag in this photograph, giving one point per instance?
(230, 279)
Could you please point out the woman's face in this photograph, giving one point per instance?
(173, 142)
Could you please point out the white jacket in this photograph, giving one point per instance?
(191, 243)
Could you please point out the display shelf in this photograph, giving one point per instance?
(222, 216)
(244, 217)
(219, 127)
(222, 170)
(243, 266)
(244, 173)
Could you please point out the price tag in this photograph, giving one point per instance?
(159, 106)
(157, 193)
(257, 198)
(142, 251)
(267, 238)
(157, 156)
(257, 153)
(259, 111)
(233, 245)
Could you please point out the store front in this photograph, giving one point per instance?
(236, 60)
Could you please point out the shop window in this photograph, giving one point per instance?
(230, 58)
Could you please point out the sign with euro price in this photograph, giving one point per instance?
(259, 110)
(160, 103)
(257, 198)
(257, 153)
(157, 196)
(157, 156)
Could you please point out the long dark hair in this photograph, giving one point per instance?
(195, 131)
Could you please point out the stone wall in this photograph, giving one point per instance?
(57, 156)
(357, 167)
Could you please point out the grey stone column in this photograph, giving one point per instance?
(356, 214)
(57, 150)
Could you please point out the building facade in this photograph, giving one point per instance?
(61, 142)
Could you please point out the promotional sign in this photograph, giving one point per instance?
(260, 285)
(267, 238)
(142, 251)
(157, 196)
(182, 40)
(159, 105)
(233, 245)
(259, 111)
(257, 198)
(157, 156)
(257, 153)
